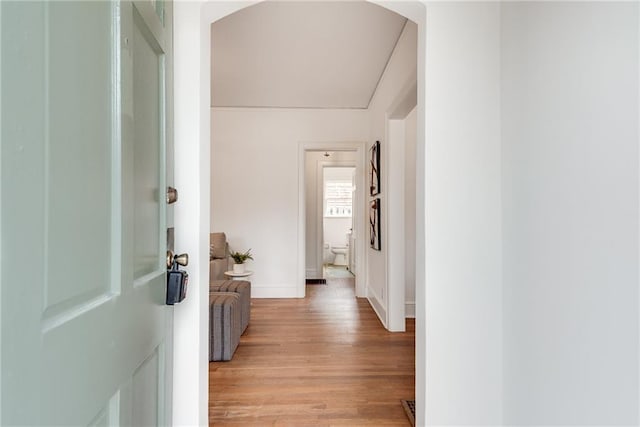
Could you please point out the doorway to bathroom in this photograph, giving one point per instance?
(338, 238)
(333, 212)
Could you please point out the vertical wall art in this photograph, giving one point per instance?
(374, 166)
(374, 224)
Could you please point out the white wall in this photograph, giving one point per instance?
(411, 127)
(254, 183)
(314, 161)
(400, 71)
(463, 298)
(570, 205)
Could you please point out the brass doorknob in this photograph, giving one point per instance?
(182, 259)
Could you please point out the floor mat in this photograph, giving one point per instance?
(410, 409)
(336, 272)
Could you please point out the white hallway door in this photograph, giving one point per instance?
(83, 133)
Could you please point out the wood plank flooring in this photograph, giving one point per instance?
(320, 361)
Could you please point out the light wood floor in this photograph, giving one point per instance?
(320, 361)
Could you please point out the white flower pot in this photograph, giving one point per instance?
(238, 268)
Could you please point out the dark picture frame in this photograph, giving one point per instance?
(374, 169)
(374, 225)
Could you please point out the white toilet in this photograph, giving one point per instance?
(341, 255)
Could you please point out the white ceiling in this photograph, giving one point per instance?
(302, 54)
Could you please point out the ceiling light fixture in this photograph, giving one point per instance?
(326, 154)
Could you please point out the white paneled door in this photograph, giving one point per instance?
(83, 134)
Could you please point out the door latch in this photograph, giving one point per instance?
(172, 195)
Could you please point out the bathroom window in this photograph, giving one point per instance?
(338, 199)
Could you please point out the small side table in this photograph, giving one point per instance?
(238, 276)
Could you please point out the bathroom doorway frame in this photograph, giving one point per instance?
(320, 202)
(358, 203)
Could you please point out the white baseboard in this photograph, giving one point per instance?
(410, 310)
(311, 273)
(266, 291)
(378, 307)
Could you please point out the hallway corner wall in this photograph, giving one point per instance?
(463, 294)
(400, 70)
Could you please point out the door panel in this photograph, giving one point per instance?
(147, 76)
(82, 214)
(75, 110)
(146, 390)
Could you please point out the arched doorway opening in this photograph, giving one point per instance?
(193, 178)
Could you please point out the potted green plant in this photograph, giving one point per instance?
(239, 259)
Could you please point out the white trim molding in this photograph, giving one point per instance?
(359, 211)
(410, 310)
(378, 307)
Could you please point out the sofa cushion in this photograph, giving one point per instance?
(225, 325)
(218, 246)
(217, 267)
(242, 288)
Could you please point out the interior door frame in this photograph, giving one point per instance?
(359, 149)
(357, 216)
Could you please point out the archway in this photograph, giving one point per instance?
(192, 124)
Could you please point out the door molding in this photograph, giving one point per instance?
(359, 148)
(321, 165)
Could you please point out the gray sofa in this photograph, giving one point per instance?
(229, 302)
